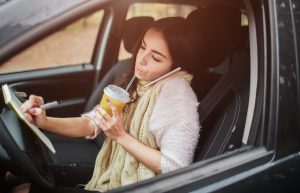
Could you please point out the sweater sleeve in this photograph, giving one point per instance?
(175, 124)
(92, 115)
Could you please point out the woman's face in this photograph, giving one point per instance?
(153, 58)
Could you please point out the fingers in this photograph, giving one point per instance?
(103, 126)
(28, 107)
(102, 123)
(113, 108)
(33, 101)
(37, 100)
(103, 113)
(32, 113)
(105, 121)
(28, 117)
(36, 111)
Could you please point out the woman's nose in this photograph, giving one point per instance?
(143, 59)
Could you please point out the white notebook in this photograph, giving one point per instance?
(15, 104)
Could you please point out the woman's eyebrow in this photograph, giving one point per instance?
(157, 52)
(143, 41)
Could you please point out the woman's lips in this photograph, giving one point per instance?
(139, 70)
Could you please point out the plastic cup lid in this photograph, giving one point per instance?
(117, 93)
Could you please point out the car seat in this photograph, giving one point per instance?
(220, 28)
(133, 29)
(224, 98)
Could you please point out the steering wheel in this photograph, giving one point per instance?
(25, 150)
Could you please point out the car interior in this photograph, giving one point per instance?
(226, 118)
(221, 82)
(227, 128)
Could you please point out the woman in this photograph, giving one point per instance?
(158, 130)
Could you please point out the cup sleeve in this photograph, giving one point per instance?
(91, 115)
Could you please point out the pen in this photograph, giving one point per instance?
(50, 105)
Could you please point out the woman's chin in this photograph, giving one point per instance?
(139, 76)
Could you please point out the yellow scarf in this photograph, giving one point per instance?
(114, 166)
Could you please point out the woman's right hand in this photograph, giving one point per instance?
(33, 112)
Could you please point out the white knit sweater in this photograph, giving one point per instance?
(174, 123)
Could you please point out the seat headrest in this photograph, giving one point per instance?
(221, 28)
(133, 29)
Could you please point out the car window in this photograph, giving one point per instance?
(62, 48)
(244, 19)
(157, 11)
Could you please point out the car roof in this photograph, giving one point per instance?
(14, 22)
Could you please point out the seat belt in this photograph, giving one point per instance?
(240, 60)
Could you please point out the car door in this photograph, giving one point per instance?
(268, 160)
(60, 58)
(266, 147)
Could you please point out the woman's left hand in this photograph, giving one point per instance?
(112, 126)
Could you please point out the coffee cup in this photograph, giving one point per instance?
(116, 95)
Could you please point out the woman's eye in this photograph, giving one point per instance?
(143, 47)
(155, 59)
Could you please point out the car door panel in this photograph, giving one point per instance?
(71, 85)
